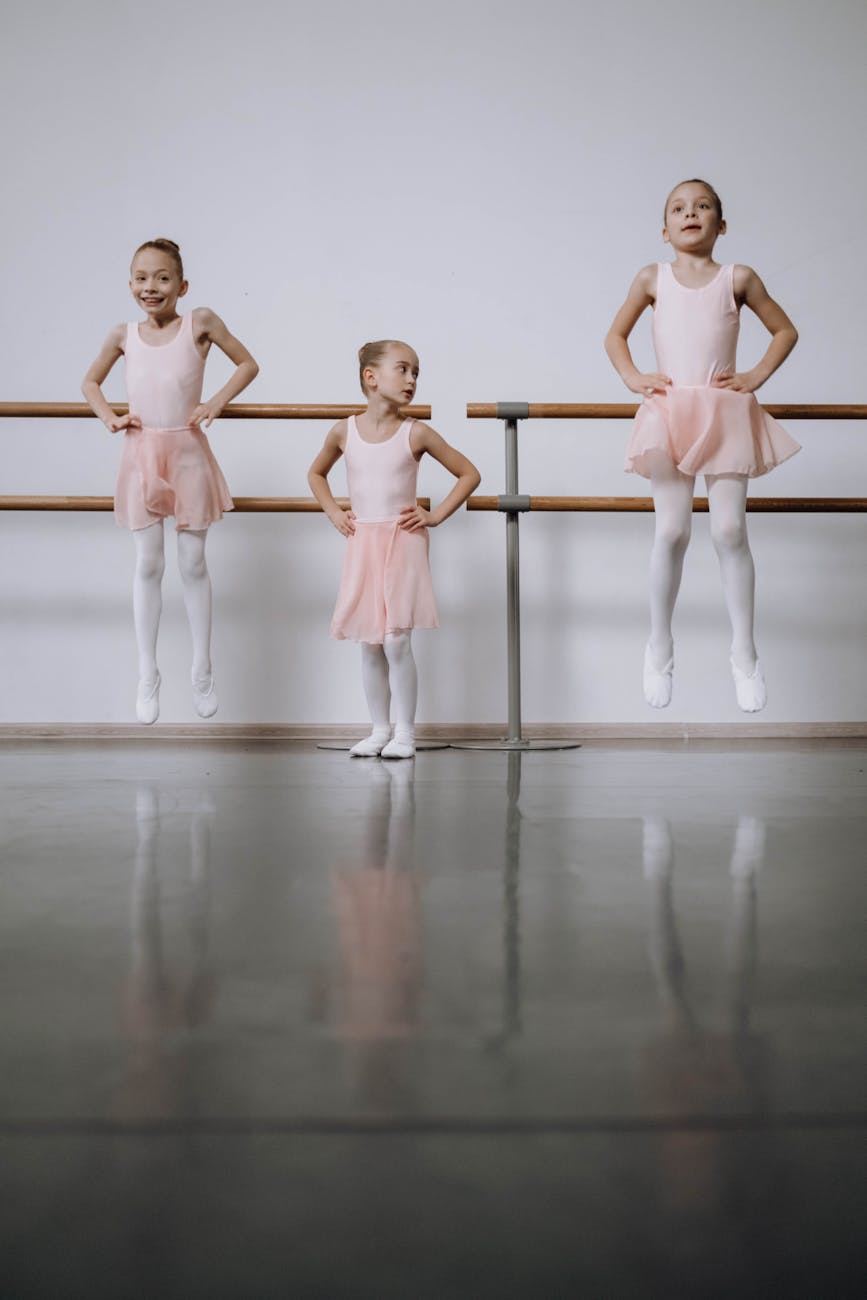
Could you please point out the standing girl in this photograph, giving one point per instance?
(167, 466)
(386, 587)
(699, 416)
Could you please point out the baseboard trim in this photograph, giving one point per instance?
(580, 731)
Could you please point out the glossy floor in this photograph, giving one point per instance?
(280, 1023)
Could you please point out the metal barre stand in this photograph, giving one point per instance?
(512, 505)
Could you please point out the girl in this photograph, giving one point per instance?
(386, 588)
(167, 466)
(699, 416)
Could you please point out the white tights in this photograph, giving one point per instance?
(389, 673)
(672, 499)
(147, 598)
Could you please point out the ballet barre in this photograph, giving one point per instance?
(513, 504)
(242, 505)
(235, 411)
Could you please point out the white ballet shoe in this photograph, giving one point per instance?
(373, 745)
(403, 745)
(657, 682)
(205, 696)
(750, 688)
(147, 700)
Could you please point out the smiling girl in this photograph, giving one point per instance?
(699, 416)
(167, 466)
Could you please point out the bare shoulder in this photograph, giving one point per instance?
(336, 435)
(644, 284)
(745, 281)
(116, 337)
(114, 343)
(421, 436)
(205, 322)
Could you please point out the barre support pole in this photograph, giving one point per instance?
(513, 504)
(512, 412)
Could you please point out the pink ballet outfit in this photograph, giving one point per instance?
(166, 467)
(386, 583)
(704, 430)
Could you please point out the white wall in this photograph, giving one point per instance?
(483, 179)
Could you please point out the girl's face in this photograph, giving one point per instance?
(691, 220)
(155, 283)
(395, 375)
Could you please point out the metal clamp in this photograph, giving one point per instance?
(513, 410)
(513, 503)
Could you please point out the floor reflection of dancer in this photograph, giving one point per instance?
(163, 997)
(373, 1001)
(691, 1070)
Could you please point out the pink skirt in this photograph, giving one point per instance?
(169, 472)
(708, 431)
(386, 584)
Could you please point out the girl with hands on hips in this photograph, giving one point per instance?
(386, 589)
(699, 416)
(167, 466)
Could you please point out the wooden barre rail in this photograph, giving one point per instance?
(235, 411)
(243, 505)
(625, 411)
(637, 505)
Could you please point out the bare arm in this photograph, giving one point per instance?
(317, 477)
(642, 294)
(91, 386)
(423, 438)
(207, 325)
(749, 290)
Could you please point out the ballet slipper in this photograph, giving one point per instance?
(403, 745)
(205, 696)
(657, 682)
(147, 700)
(750, 688)
(373, 745)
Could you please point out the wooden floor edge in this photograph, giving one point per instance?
(265, 731)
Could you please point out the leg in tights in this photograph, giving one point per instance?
(374, 676)
(672, 500)
(727, 496)
(197, 599)
(403, 679)
(147, 596)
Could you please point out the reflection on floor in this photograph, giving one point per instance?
(277, 1022)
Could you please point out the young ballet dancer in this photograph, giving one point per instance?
(167, 466)
(386, 587)
(699, 416)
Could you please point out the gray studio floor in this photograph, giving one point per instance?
(280, 1023)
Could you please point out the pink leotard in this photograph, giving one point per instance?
(702, 429)
(167, 467)
(386, 583)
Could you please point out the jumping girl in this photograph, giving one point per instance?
(167, 466)
(699, 416)
(386, 587)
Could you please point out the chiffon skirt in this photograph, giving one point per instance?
(386, 584)
(708, 431)
(169, 472)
